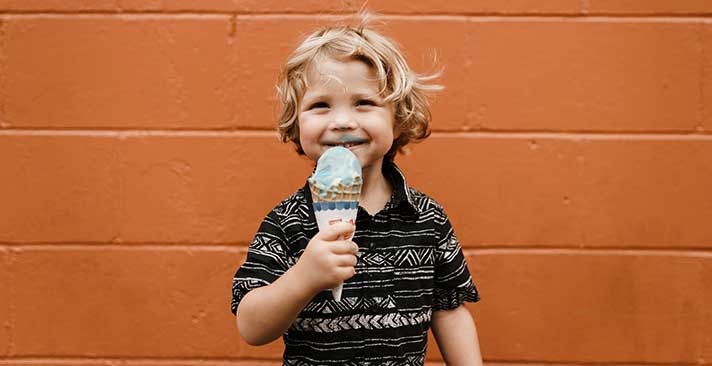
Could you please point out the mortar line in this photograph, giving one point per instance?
(237, 247)
(576, 135)
(677, 252)
(242, 246)
(235, 361)
(382, 15)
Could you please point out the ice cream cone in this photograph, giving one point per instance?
(335, 189)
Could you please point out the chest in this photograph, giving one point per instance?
(395, 269)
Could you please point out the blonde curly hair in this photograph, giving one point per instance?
(399, 85)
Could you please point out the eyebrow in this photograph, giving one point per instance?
(356, 95)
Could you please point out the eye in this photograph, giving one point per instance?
(365, 102)
(318, 105)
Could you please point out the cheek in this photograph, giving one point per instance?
(309, 140)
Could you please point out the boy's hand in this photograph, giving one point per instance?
(328, 260)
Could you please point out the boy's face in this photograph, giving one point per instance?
(341, 106)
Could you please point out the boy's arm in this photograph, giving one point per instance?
(455, 332)
(265, 313)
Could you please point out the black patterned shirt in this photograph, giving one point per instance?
(410, 264)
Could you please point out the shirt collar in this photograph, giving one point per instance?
(401, 192)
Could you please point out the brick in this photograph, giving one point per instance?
(706, 354)
(216, 188)
(570, 306)
(6, 303)
(246, 6)
(157, 189)
(304, 6)
(705, 101)
(647, 193)
(442, 41)
(264, 44)
(650, 7)
(588, 75)
(140, 302)
(523, 191)
(476, 7)
(545, 191)
(123, 71)
(58, 188)
(204, 189)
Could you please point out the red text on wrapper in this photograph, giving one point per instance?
(334, 221)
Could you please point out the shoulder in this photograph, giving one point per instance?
(294, 204)
(293, 219)
(424, 203)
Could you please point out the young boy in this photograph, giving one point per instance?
(404, 271)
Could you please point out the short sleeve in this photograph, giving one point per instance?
(266, 260)
(453, 283)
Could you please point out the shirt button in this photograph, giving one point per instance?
(372, 246)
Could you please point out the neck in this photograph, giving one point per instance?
(376, 189)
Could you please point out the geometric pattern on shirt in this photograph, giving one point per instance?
(361, 321)
(350, 304)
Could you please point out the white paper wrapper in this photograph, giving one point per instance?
(326, 217)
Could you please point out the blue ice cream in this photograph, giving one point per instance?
(337, 167)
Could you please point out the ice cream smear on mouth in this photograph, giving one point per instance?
(347, 141)
(335, 186)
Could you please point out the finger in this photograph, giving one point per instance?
(336, 231)
(343, 247)
(346, 260)
(346, 272)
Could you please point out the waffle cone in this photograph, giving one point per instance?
(338, 193)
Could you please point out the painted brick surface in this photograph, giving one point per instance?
(589, 75)
(597, 192)
(209, 188)
(705, 109)
(550, 7)
(706, 354)
(306, 6)
(120, 302)
(640, 194)
(204, 190)
(248, 6)
(142, 189)
(477, 7)
(650, 6)
(58, 188)
(135, 71)
(548, 305)
(607, 307)
(6, 303)
(589, 240)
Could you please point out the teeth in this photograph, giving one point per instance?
(346, 145)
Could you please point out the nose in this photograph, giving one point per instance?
(343, 121)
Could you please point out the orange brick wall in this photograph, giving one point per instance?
(572, 150)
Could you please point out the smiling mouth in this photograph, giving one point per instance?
(346, 144)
